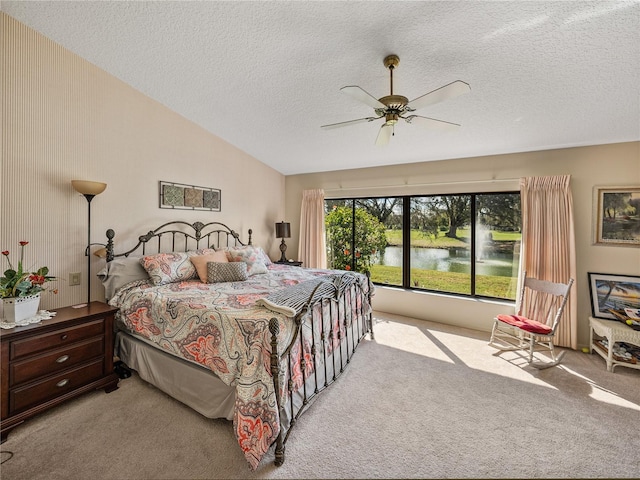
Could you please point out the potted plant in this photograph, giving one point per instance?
(20, 289)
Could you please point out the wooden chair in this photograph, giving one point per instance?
(534, 326)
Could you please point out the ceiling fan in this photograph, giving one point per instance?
(394, 107)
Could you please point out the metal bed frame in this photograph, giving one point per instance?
(347, 336)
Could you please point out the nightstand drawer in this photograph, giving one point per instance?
(56, 360)
(22, 398)
(59, 338)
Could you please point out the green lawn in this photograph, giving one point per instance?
(420, 239)
(490, 286)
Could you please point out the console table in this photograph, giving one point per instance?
(613, 331)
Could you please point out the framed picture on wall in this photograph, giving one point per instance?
(617, 216)
(614, 296)
(189, 197)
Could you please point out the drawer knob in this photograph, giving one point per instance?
(63, 336)
(62, 359)
(62, 383)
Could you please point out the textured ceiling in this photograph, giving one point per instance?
(266, 75)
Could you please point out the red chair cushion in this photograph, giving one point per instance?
(526, 324)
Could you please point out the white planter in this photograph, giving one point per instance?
(17, 309)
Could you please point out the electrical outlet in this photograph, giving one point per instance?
(74, 279)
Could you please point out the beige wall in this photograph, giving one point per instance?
(616, 164)
(63, 119)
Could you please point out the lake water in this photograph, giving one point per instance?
(453, 260)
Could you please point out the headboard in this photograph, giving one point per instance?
(180, 236)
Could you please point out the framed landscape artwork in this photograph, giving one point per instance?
(189, 197)
(617, 216)
(617, 293)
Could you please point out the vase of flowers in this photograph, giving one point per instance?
(18, 309)
(20, 288)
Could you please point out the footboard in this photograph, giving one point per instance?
(328, 330)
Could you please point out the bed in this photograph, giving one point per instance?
(211, 321)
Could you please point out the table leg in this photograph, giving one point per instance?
(610, 353)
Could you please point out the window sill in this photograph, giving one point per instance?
(491, 301)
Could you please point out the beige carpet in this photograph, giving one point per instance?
(422, 401)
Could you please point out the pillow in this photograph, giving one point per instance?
(250, 256)
(263, 254)
(119, 272)
(200, 262)
(259, 250)
(172, 267)
(218, 272)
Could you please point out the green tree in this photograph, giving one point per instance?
(615, 203)
(426, 217)
(381, 208)
(457, 208)
(370, 238)
(500, 211)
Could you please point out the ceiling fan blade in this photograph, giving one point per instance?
(350, 122)
(384, 135)
(451, 90)
(359, 94)
(431, 122)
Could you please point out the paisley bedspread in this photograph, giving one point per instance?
(220, 326)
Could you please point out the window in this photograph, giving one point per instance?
(466, 244)
(374, 245)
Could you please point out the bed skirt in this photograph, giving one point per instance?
(188, 383)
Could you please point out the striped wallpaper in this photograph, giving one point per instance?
(63, 119)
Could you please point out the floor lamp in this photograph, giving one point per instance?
(89, 190)
(283, 230)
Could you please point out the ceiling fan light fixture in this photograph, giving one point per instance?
(391, 118)
(394, 107)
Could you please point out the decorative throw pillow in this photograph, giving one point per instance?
(218, 272)
(263, 254)
(250, 256)
(258, 250)
(200, 262)
(172, 267)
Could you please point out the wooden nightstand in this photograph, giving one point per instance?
(289, 262)
(50, 362)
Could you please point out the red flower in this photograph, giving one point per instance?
(37, 279)
(346, 252)
(348, 267)
(22, 283)
(357, 254)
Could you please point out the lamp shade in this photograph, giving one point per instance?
(87, 187)
(283, 230)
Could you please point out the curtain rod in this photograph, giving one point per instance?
(421, 184)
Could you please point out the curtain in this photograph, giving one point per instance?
(548, 243)
(311, 248)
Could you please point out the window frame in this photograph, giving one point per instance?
(406, 238)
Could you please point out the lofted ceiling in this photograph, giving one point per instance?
(265, 76)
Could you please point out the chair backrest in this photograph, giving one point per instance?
(544, 301)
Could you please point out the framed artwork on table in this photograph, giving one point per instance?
(617, 216)
(614, 296)
(189, 197)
